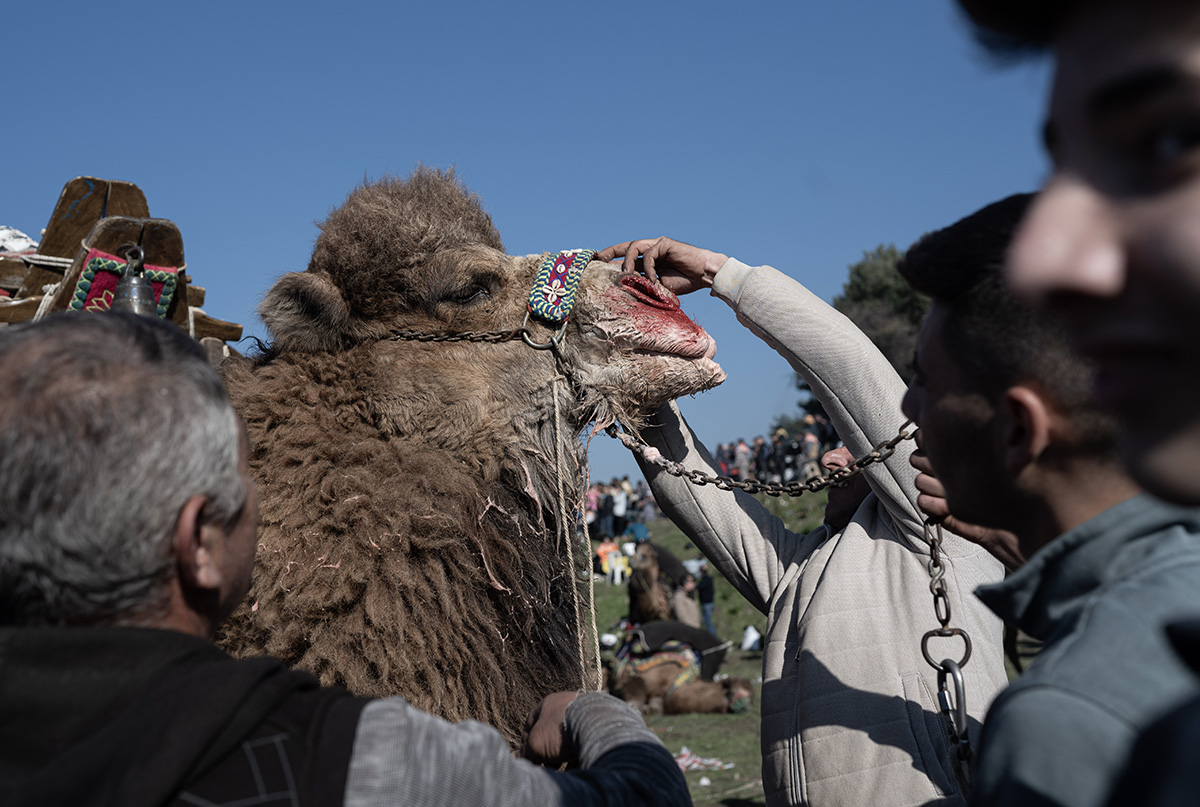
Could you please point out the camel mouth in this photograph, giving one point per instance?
(649, 293)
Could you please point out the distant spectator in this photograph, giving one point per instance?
(725, 459)
(741, 459)
(591, 508)
(648, 507)
(637, 531)
(776, 461)
(762, 453)
(704, 592)
(620, 508)
(604, 514)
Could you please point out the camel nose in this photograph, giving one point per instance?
(652, 294)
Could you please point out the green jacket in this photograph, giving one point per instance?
(1099, 596)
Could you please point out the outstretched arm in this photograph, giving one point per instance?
(855, 383)
(405, 756)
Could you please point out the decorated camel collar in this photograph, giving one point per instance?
(551, 300)
(553, 294)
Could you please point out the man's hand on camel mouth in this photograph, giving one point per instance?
(680, 267)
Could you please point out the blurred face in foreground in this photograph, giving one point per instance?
(1112, 246)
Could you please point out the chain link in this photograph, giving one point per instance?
(493, 337)
(952, 695)
(879, 453)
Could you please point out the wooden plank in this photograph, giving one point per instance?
(196, 294)
(126, 199)
(38, 277)
(13, 272)
(163, 245)
(18, 310)
(162, 242)
(218, 328)
(177, 311)
(82, 203)
(217, 350)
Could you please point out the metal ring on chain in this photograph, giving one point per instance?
(946, 633)
(954, 709)
(941, 606)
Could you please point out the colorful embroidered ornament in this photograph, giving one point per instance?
(98, 282)
(553, 293)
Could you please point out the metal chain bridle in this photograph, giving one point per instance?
(879, 453)
(951, 702)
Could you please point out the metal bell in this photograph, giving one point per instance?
(134, 293)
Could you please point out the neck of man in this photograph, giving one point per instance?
(183, 611)
(1063, 498)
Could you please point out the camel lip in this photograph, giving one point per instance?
(649, 293)
(705, 350)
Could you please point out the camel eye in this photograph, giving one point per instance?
(467, 296)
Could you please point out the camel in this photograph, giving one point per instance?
(660, 587)
(651, 691)
(649, 599)
(668, 667)
(418, 497)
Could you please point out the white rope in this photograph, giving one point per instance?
(51, 261)
(192, 321)
(49, 293)
(564, 519)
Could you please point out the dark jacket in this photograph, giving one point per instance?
(1099, 596)
(133, 717)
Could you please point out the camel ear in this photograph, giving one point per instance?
(306, 313)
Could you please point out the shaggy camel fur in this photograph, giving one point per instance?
(412, 533)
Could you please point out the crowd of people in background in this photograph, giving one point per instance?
(786, 457)
(610, 509)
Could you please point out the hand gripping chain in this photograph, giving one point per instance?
(953, 704)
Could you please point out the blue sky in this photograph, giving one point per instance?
(798, 134)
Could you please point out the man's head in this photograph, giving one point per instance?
(997, 393)
(844, 498)
(122, 463)
(1113, 244)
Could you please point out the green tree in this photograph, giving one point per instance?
(876, 298)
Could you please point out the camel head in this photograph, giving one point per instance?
(420, 255)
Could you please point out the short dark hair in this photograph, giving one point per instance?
(1007, 27)
(996, 340)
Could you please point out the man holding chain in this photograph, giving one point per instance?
(1010, 426)
(848, 709)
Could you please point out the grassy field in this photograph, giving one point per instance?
(731, 738)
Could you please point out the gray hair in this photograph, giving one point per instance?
(109, 423)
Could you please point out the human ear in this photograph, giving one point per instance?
(195, 547)
(1029, 423)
